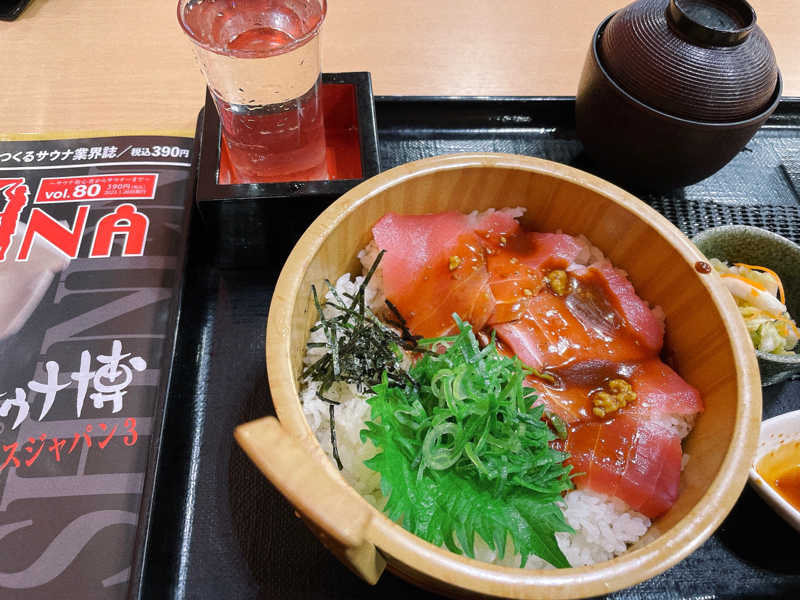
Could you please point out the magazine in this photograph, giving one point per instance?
(92, 232)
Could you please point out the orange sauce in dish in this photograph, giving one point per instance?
(781, 470)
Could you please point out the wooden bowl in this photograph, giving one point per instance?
(704, 334)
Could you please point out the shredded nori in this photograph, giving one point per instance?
(360, 349)
(409, 341)
(333, 439)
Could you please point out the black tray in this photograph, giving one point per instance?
(218, 529)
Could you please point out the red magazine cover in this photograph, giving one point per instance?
(91, 239)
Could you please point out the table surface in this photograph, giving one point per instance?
(81, 67)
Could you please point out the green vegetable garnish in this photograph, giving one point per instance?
(463, 452)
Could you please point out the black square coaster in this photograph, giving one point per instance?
(246, 223)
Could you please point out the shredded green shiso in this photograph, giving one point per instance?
(462, 451)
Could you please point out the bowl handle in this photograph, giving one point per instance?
(327, 509)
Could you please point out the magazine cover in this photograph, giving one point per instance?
(91, 232)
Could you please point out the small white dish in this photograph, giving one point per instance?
(776, 431)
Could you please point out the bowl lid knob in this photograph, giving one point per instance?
(712, 22)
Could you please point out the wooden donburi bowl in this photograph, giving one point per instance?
(705, 337)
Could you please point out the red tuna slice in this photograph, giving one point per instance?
(552, 333)
(569, 390)
(511, 294)
(540, 251)
(519, 340)
(637, 462)
(517, 266)
(435, 266)
(551, 250)
(651, 478)
(496, 224)
(572, 404)
(658, 388)
(626, 303)
(665, 492)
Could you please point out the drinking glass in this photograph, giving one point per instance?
(261, 60)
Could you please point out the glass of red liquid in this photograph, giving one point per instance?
(261, 60)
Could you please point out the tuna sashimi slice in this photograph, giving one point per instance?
(658, 388)
(518, 339)
(539, 251)
(552, 250)
(569, 395)
(637, 462)
(627, 304)
(518, 265)
(557, 331)
(600, 451)
(494, 224)
(668, 483)
(435, 266)
(412, 243)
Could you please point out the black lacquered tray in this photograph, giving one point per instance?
(217, 528)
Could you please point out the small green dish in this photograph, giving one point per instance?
(755, 246)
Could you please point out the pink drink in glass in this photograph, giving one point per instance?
(261, 60)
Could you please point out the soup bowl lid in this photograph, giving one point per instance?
(704, 60)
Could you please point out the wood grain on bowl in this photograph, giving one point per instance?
(705, 337)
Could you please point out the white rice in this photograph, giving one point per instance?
(589, 254)
(350, 414)
(604, 527)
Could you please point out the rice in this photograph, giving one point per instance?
(604, 527)
(589, 254)
(350, 414)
